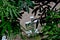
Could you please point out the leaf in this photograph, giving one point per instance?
(9, 28)
(2, 17)
(11, 14)
(29, 2)
(15, 13)
(4, 29)
(37, 38)
(7, 13)
(3, 24)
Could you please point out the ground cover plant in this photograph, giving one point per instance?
(10, 13)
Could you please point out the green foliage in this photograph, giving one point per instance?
(9, 12)
(51, 28)
(12, 10)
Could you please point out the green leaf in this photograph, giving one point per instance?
(29, 2)
(11, 14)
(7, 12)
(3, 24)
(9, 28)
(15, 13)
(4, 29)
(2, 16)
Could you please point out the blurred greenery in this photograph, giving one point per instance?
(10, 12)
(51, 28)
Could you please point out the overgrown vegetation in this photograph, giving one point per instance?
(49, 19)
(52, 28)
(10, 13)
